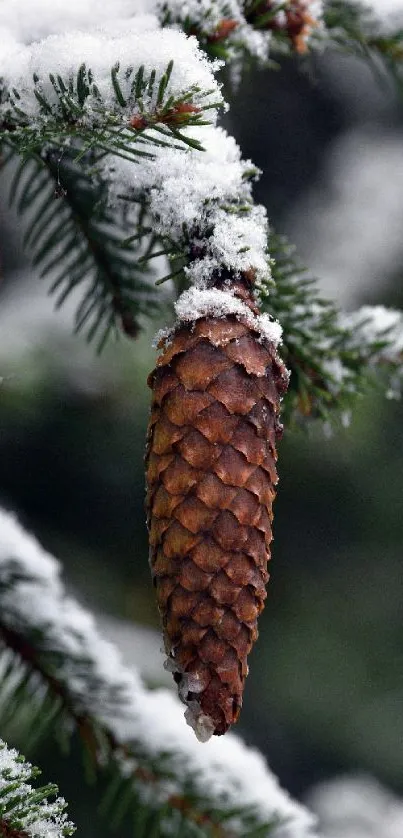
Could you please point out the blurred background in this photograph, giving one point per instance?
(325, 692)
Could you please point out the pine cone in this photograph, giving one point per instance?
(211, 475)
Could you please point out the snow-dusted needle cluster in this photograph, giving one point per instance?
(22, 811)
(125, 45)
(370, 325)
(202, 202)
(244, 24)
(33, 602)
(215, 21)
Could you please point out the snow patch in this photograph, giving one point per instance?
(202, 201)
(198, 302)
(37, 19)
(100, 51)
(357, 807)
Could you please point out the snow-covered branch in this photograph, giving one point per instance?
(122, 93)
(201, 201)
(116, 91)
(377, 327)
(56, 638)
(26, 812)
(228, 29)
(331, 354)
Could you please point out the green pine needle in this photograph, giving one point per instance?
(25, 811)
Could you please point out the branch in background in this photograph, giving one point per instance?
(332, 356)
(355, 27)
(25, 812)
(231, 29)
(354, 805)
(267, 28)
(224, 787)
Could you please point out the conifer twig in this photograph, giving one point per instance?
(26, 812)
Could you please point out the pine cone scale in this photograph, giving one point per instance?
(211, 475)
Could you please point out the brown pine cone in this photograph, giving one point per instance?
(211, 475)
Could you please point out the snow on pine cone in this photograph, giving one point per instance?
(211, 474)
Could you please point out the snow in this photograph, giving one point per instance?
(101, 50)
(15, 542)
(206, 17)
(43, 820)
(316, 9)
(37, 19)
(201, 200)
(33, 20)
(202, 13)
(224, 771)
(365, 328)
(370, 324)
(385, 8)
(67, 626)
(357, 201)
(357, 807)
(196, 303)
(205, 197)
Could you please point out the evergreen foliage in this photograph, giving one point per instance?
(24, 810)
(331, 360)
(68, 139)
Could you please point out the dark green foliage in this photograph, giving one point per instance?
(354, 27)
(329, 366)
(77, 239)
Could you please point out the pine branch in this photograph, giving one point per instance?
(25, 812)
(201, 204)
(354, 27)
(136, 111)
(137, 735)
(67, 129)
(235, 29)
(332, 356)
(77, 239)
(195, 207)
